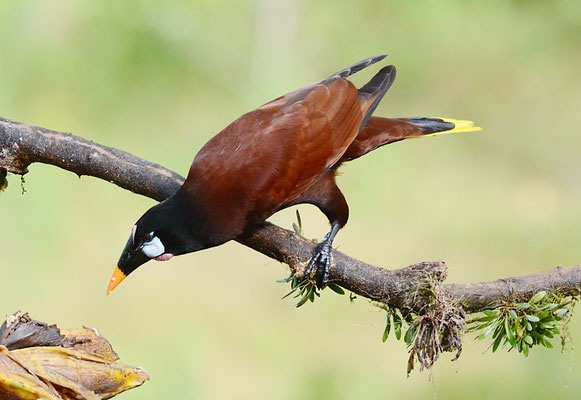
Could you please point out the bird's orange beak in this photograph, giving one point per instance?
(116, 279)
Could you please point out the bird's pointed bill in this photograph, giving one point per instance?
(116, 279)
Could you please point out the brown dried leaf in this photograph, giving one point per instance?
(19, 331)
(86, 368)
(90, 341)
(51, 364)
(85, 374)
(17, 383)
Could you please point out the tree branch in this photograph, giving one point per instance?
(411, 289)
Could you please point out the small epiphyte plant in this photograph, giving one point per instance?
(395, 320)
(428, 335)
(298, 226)
(304, 288)
(524, 325)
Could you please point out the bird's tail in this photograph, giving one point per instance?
(371, 94)
(346, 72)
(381, 131)
(439, 126)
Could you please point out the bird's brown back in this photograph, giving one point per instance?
(267, 158)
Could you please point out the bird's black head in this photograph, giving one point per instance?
(162, 232)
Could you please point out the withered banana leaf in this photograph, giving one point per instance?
(45, 362)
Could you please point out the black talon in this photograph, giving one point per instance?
(322, 258)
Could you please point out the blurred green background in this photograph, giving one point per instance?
(159, 78)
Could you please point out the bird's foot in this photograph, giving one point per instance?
(322, 259)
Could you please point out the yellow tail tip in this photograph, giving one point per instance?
(460, 126)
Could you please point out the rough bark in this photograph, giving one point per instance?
(411, 288)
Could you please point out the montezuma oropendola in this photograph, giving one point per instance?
(284, 153)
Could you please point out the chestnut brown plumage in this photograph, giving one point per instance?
(284, 153)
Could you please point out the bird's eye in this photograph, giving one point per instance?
(143, 240)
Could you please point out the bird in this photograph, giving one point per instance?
(285, 152)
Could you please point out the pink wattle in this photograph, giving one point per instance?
(164, 257)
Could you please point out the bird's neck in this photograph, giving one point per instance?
(193, 216)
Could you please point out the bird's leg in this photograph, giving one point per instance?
(322, 258)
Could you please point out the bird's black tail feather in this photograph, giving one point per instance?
(344, 73)
(375, 89)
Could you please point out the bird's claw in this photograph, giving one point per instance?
(322, 260)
